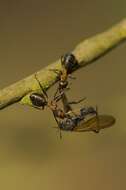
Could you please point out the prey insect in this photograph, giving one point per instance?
(74, 118)
(84, 119)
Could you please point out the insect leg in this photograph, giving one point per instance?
(66, 105)
(57, 90)
(97, 119)
(71, 77)
(41, 87)
(77, 102)
(57, 124)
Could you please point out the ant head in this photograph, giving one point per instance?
(68, 61)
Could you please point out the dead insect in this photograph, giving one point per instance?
(72, 120)
(83, 119)
(95, 123)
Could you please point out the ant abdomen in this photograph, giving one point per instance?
(69, 62)
(38, 100)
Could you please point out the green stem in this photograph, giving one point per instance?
(86, 52)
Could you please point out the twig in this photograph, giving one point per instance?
(86, 52)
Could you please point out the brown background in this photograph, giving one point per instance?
(34, 33)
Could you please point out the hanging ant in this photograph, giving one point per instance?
(40, 101)
(68, 62)
(62, 117)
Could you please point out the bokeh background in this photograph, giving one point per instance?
(34, 33)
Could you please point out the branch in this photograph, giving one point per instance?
(86, 52)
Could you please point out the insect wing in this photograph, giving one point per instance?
(95, 123)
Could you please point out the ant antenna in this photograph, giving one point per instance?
(41, 87)
(79, 101)
(58, 125)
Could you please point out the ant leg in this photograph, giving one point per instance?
(59, 97)
(56, 93)
(55, 118)
(58, 125)
(60, 134)
(97, 127)
(41, 87)
(66, 104)
(96, 110)
(77, 102)
(71, 77)
(56, 71)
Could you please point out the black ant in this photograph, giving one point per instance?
(39, 101)
(68, 62)
(63, 117)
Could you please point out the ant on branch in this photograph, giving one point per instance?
(64, 119)
(39, 101)
(68, 62)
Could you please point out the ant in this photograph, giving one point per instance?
(68, 62)
(63, 117)
(39, 101)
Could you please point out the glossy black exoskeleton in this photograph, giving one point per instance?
(38, 100)
(69, 61)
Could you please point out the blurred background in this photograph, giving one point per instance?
(33, 33)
